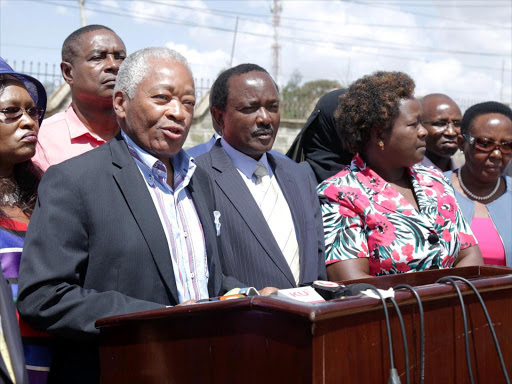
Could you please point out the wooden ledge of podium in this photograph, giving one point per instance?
(269, 340)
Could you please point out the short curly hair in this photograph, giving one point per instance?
(482, 109)
(371, 102)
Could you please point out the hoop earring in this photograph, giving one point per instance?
(381, 145)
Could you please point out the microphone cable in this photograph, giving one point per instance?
(464, 318)
(489, 322)
(404, 338)
(422, 327)
(393, 373)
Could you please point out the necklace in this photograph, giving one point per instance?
(472, 195)
(10, 195)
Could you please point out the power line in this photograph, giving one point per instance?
(444, 4)
(393, 46)
(435, 27)
(366, 3)
(257, 17)
(340, 46)
(31, 46)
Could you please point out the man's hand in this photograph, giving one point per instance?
(188, 302)
(267, 291)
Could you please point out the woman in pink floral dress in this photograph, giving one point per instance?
(385, 213)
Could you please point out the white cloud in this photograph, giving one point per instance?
(110, 3)
(144, 12)
(350, 40)
(204, 64)
(61, 10)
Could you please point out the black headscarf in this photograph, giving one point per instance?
(318, 142)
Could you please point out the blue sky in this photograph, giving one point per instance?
(455, 47)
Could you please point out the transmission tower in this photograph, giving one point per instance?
(276, 48)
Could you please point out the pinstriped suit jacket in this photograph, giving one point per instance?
(249, 251)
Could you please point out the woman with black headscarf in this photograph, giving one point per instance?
(318, 145)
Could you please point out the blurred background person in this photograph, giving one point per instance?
(317, 146)
(385, 213)
(484, 194)
(91, 57)
(441, 117)
(22, 107)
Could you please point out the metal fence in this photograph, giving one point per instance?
(48, 74)
(202, 87)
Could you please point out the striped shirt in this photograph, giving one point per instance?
(178, 215)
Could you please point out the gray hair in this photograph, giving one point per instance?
(135, 67)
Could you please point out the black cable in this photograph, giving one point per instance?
(404, 338)
(464, 318)
(393, 374)
(422, 327)
(489, 322)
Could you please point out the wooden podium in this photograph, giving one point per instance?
(269, 340)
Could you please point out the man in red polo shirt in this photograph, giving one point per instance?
(91, 57)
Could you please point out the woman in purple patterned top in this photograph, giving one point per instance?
(22, 107)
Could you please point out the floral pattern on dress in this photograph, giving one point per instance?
(364, 216)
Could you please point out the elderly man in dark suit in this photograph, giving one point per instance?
(126, 227)
(272, 233)
(12, 362)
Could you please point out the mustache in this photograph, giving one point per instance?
(263, 130)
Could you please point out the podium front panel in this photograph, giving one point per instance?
(268, 340)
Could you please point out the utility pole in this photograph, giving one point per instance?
(276, 48)
(233, 46)
(82, 12)
(502, 78)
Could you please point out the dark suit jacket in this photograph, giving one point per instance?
(95, 247)
(249, 250)
(11, 335)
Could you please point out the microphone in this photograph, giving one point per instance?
(433, 238)
(356, 289)
(330, 290)
(235, 293)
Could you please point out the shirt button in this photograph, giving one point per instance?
(185, 234)
(192, 275)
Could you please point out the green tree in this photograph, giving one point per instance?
(297, 99)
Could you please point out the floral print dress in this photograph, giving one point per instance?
(364, 216)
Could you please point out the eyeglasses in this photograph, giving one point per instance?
(485, 145)
(14, 113)
(443, 124)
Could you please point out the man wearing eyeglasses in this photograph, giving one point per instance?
(91, 57)
(442, 118)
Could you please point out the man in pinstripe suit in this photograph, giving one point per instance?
(272, 233)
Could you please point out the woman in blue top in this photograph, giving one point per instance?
(484, 194)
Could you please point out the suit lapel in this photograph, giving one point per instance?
(138, 198)
(289, 189)
(232, 185)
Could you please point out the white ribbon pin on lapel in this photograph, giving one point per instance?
(216, 220)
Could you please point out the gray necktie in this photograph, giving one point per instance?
(277, 214)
